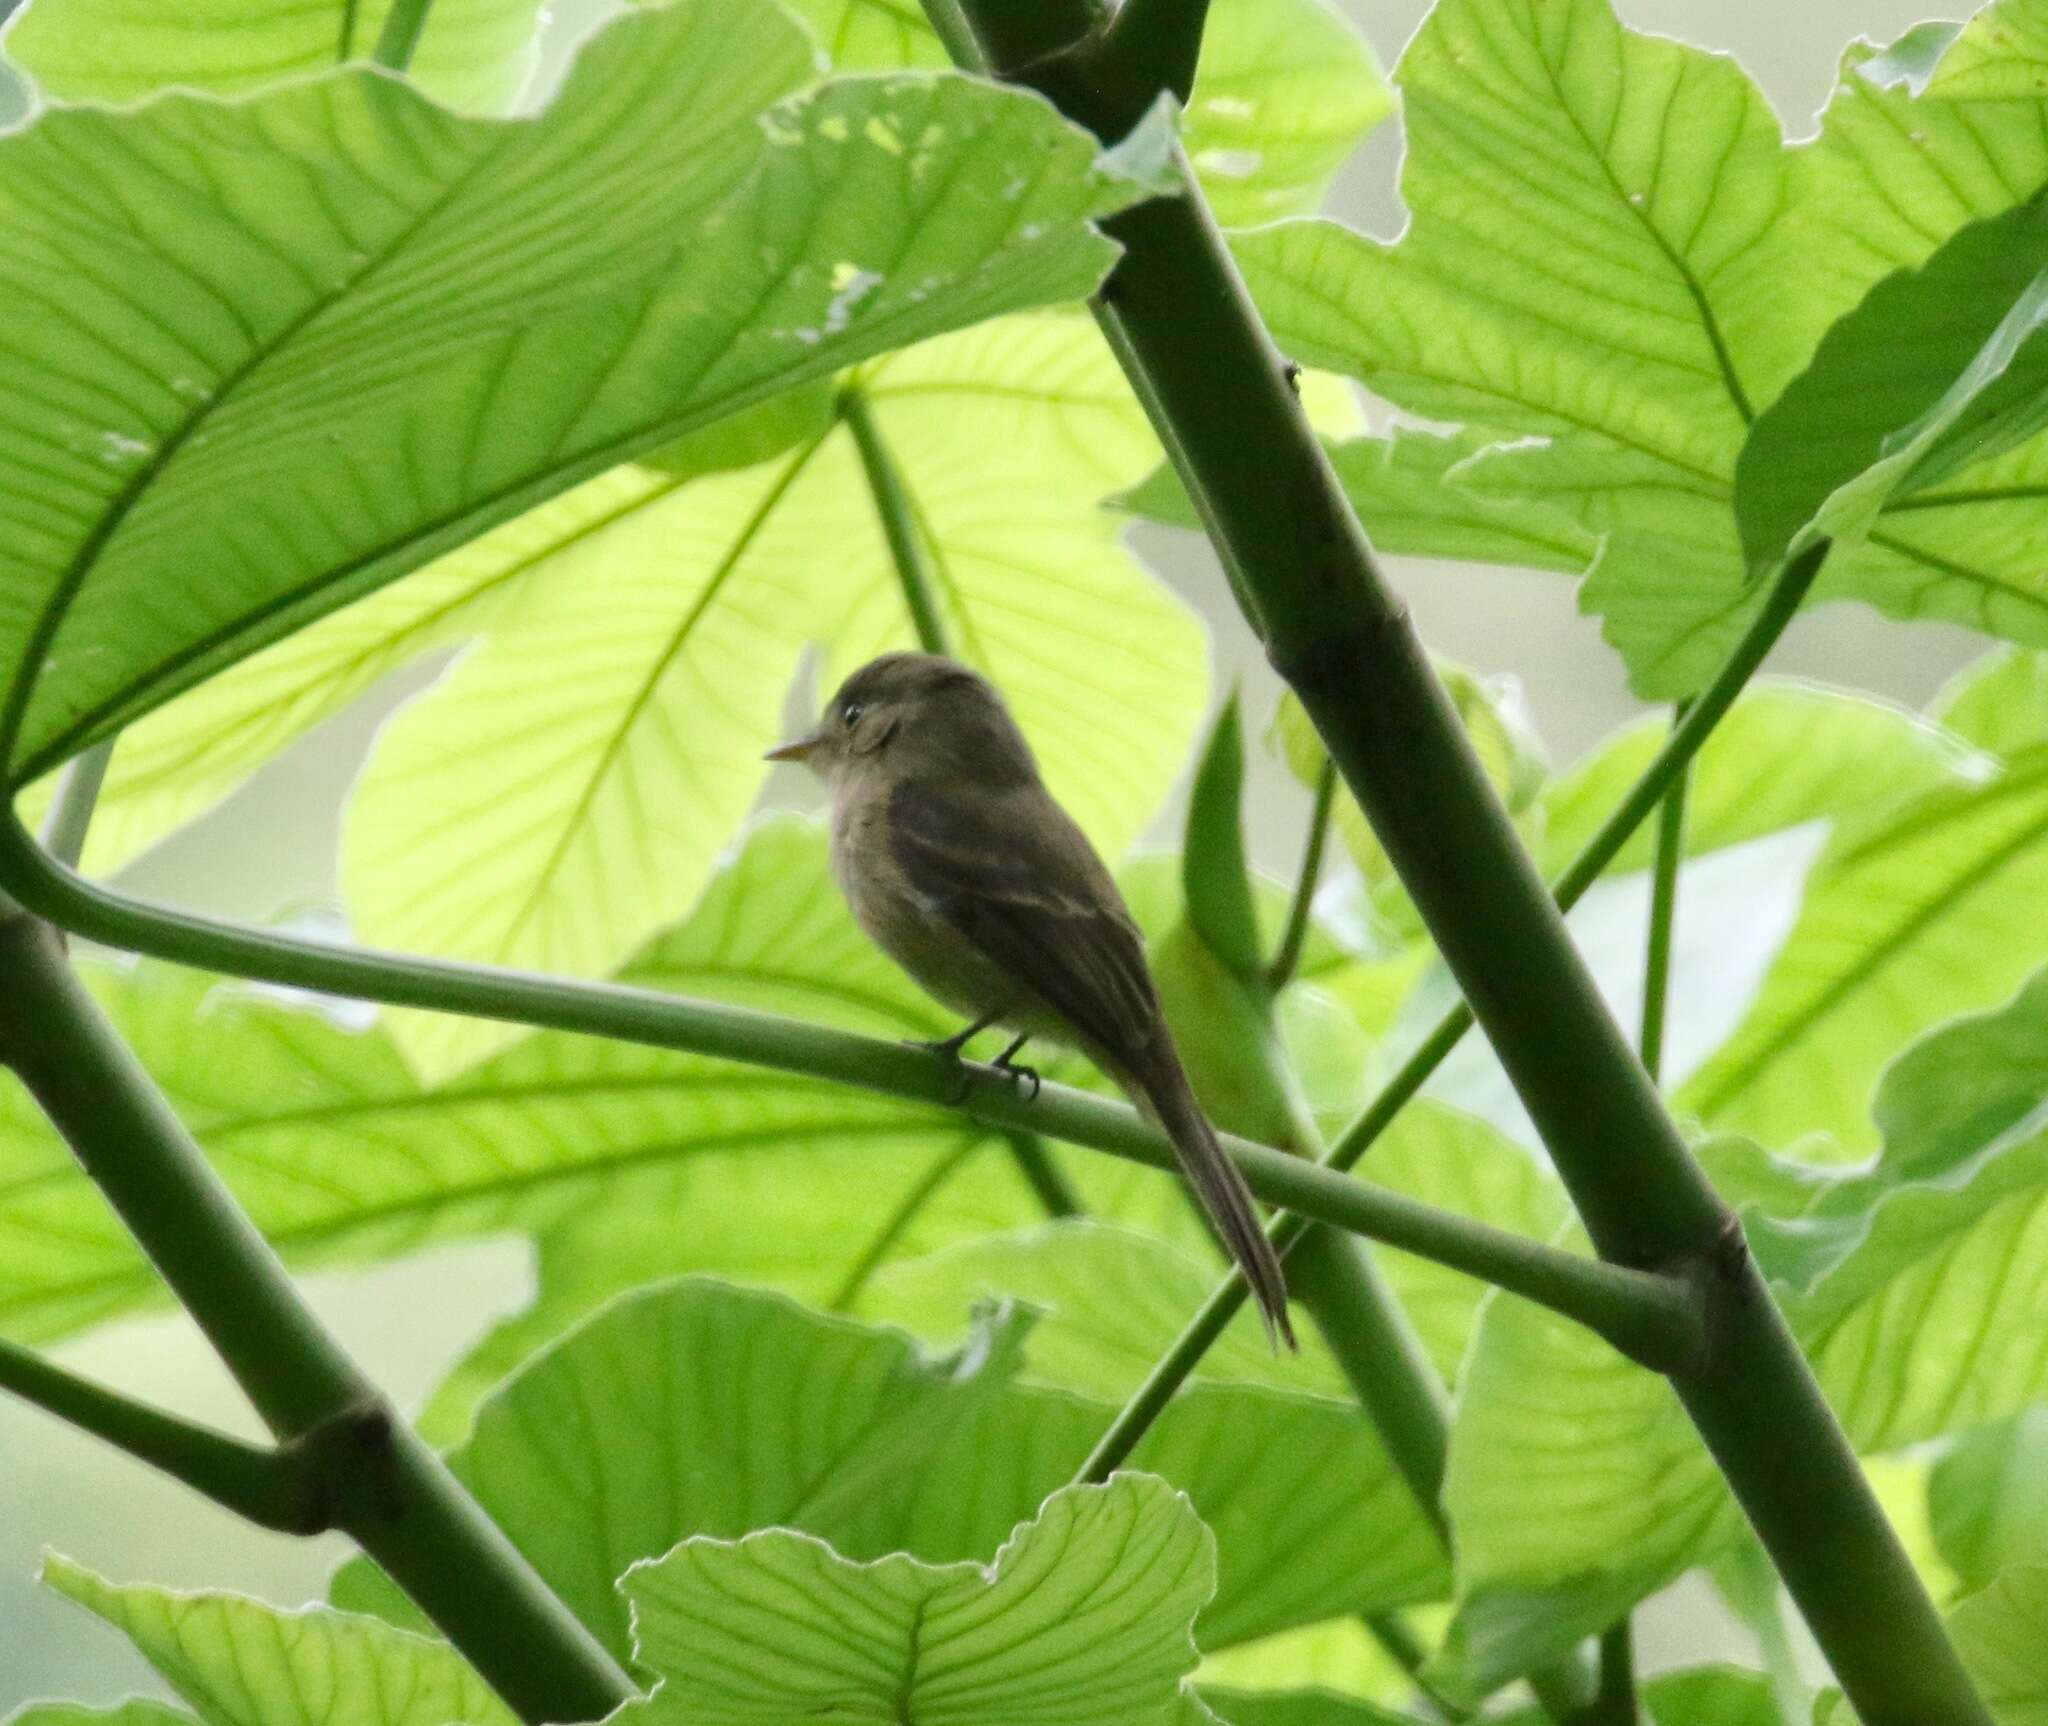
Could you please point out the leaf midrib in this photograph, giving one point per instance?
(85, 560)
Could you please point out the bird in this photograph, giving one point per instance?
(959, 864)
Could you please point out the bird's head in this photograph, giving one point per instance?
(914, 716)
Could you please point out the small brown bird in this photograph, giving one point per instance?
(961, 867)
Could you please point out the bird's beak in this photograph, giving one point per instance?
(799, 750)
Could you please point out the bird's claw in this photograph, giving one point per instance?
(1020, 1076)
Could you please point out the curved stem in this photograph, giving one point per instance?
(78, 792)
(257, 1482)
(1663, 914)
(380, 1483)
(1645, 1315)
(1287, 958)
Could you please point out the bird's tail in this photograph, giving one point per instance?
(1220, 1188)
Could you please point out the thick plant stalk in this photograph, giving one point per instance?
(1686, 740)
(1178, 315)
(373, 1477)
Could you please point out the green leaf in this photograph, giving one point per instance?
(473, 54)
(1214, 873)
(2000, 1633)
(1409, 486)
(1987, 1498)
(1110, 1302)
(1785, 754)
(280, 377)
(1919, 914)
(1576, 1488)
(568, 787)
(237, 1662)
(1652, 269)
(1284, 92)
(2000, 703)
(2001, 54)
(696, 1409)
(1298, 1708)
(1083, 1616)
(1617, 308)
(1959, 1088)
(1936, 368)
(1336, 1657)
(181, 759)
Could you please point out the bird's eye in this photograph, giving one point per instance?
(851, 713)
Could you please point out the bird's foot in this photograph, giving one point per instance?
(948, 1050)
(1019, 1074)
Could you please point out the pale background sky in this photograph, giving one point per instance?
(273, 845)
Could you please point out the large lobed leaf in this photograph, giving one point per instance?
(1284, 91)
(1913, 1286)
(1613, 265)
(1082, 1617)
(696, 1410)
(237, 1662)
(384, 329)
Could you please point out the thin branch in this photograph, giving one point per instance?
(1647, 1316)
(78, 792)
(1044, 1176)
(1287, 959)
(404, 24)
(1616, 1703)
(257, 1482)
(898, 516)
(1663, 914)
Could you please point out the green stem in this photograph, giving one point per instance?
(1646, 1315)
(898, 516)
(78, 793)
(1382, 1359)
(1670, 854)
(1402, 1646)
(1044, 1176)
(904, 532)
(403, 26)
(383, 1486)
(1687, 738)
(1287, 959)
(1615, 1704)
(1178, 315)
(259, 1483)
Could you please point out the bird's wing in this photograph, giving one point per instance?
(1019, 880)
